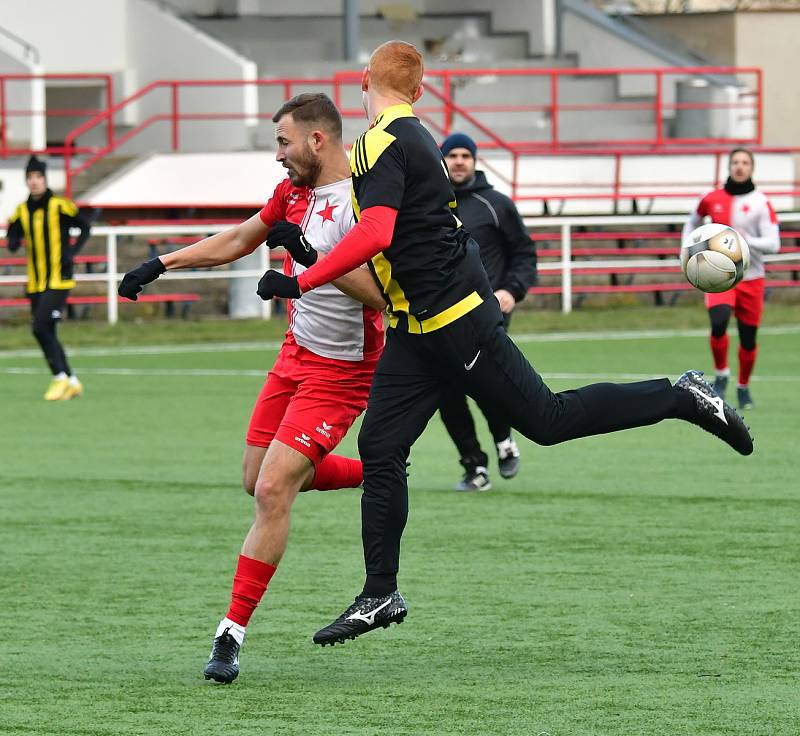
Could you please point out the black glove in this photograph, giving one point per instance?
(134, 280)
(274, 283)
(290, 236)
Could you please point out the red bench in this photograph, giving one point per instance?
(78, 259)
(642, 288)
(158, 298)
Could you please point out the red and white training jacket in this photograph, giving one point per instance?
(750, 214)
(325, 321)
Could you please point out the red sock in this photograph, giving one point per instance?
(336, 472)
(719, 349)
(747, 359)
(249, 585)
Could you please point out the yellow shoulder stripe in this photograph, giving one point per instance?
(376, 141)
(67, 206)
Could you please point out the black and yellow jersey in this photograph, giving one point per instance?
(431, 273)
(44, 224)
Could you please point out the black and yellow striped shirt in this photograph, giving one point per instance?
(44, 224)
(431, 273)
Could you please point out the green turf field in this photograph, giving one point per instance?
(642, 583)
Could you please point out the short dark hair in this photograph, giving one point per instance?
(741, 150)
(312, 108)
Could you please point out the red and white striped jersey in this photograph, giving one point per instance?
(325, 321)
(750, 214)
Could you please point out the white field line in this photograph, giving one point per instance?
(246, 373)
(243, 347)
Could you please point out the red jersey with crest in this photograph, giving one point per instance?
(750, 214)
(325, 321)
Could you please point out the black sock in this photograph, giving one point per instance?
(377, 586)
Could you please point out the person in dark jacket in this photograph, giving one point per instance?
(43, 221)
(509, 258)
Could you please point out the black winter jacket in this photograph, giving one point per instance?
(507, 251)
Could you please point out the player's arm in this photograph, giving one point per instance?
(74, 218)
(360, 285)
(219, 249)
(14, 234)
(371, 235)
(768, 239)
(521, 271)
(215, 250)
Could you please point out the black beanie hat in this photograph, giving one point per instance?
(34, 164)
(458, 140)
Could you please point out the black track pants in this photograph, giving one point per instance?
(474, 354)
(47, 308)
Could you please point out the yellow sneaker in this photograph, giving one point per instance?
(55, 391)
(72, 391)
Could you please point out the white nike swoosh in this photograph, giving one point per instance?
(468, 366)
(368, 617)
(716, 402)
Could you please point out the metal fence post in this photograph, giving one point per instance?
(111, 281)
(566, 268)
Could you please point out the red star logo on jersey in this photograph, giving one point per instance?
(745, 208)
(326, 213)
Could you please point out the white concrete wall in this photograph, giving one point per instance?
(769, 40)
(599, 48)
(69, 41)
(19, 95)
(188, 179)
(13, 189)
(162, 46)
(248, 178)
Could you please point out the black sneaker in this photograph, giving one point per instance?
(721, 385)
(745, 400)
(364, 615)
(475, 479)
(508, 458)
(223, 664)
(714, 415)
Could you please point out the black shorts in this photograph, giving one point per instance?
(49, 305)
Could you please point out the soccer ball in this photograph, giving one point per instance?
(714, 258)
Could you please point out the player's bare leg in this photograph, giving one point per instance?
(283, 473)
(252, 459)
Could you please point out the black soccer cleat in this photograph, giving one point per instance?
(223, 664)
(713, 414)
(365, 614)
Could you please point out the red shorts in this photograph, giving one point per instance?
(309, 402)
(746, 299)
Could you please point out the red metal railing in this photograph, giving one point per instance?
(438, 109)
(8, 80)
